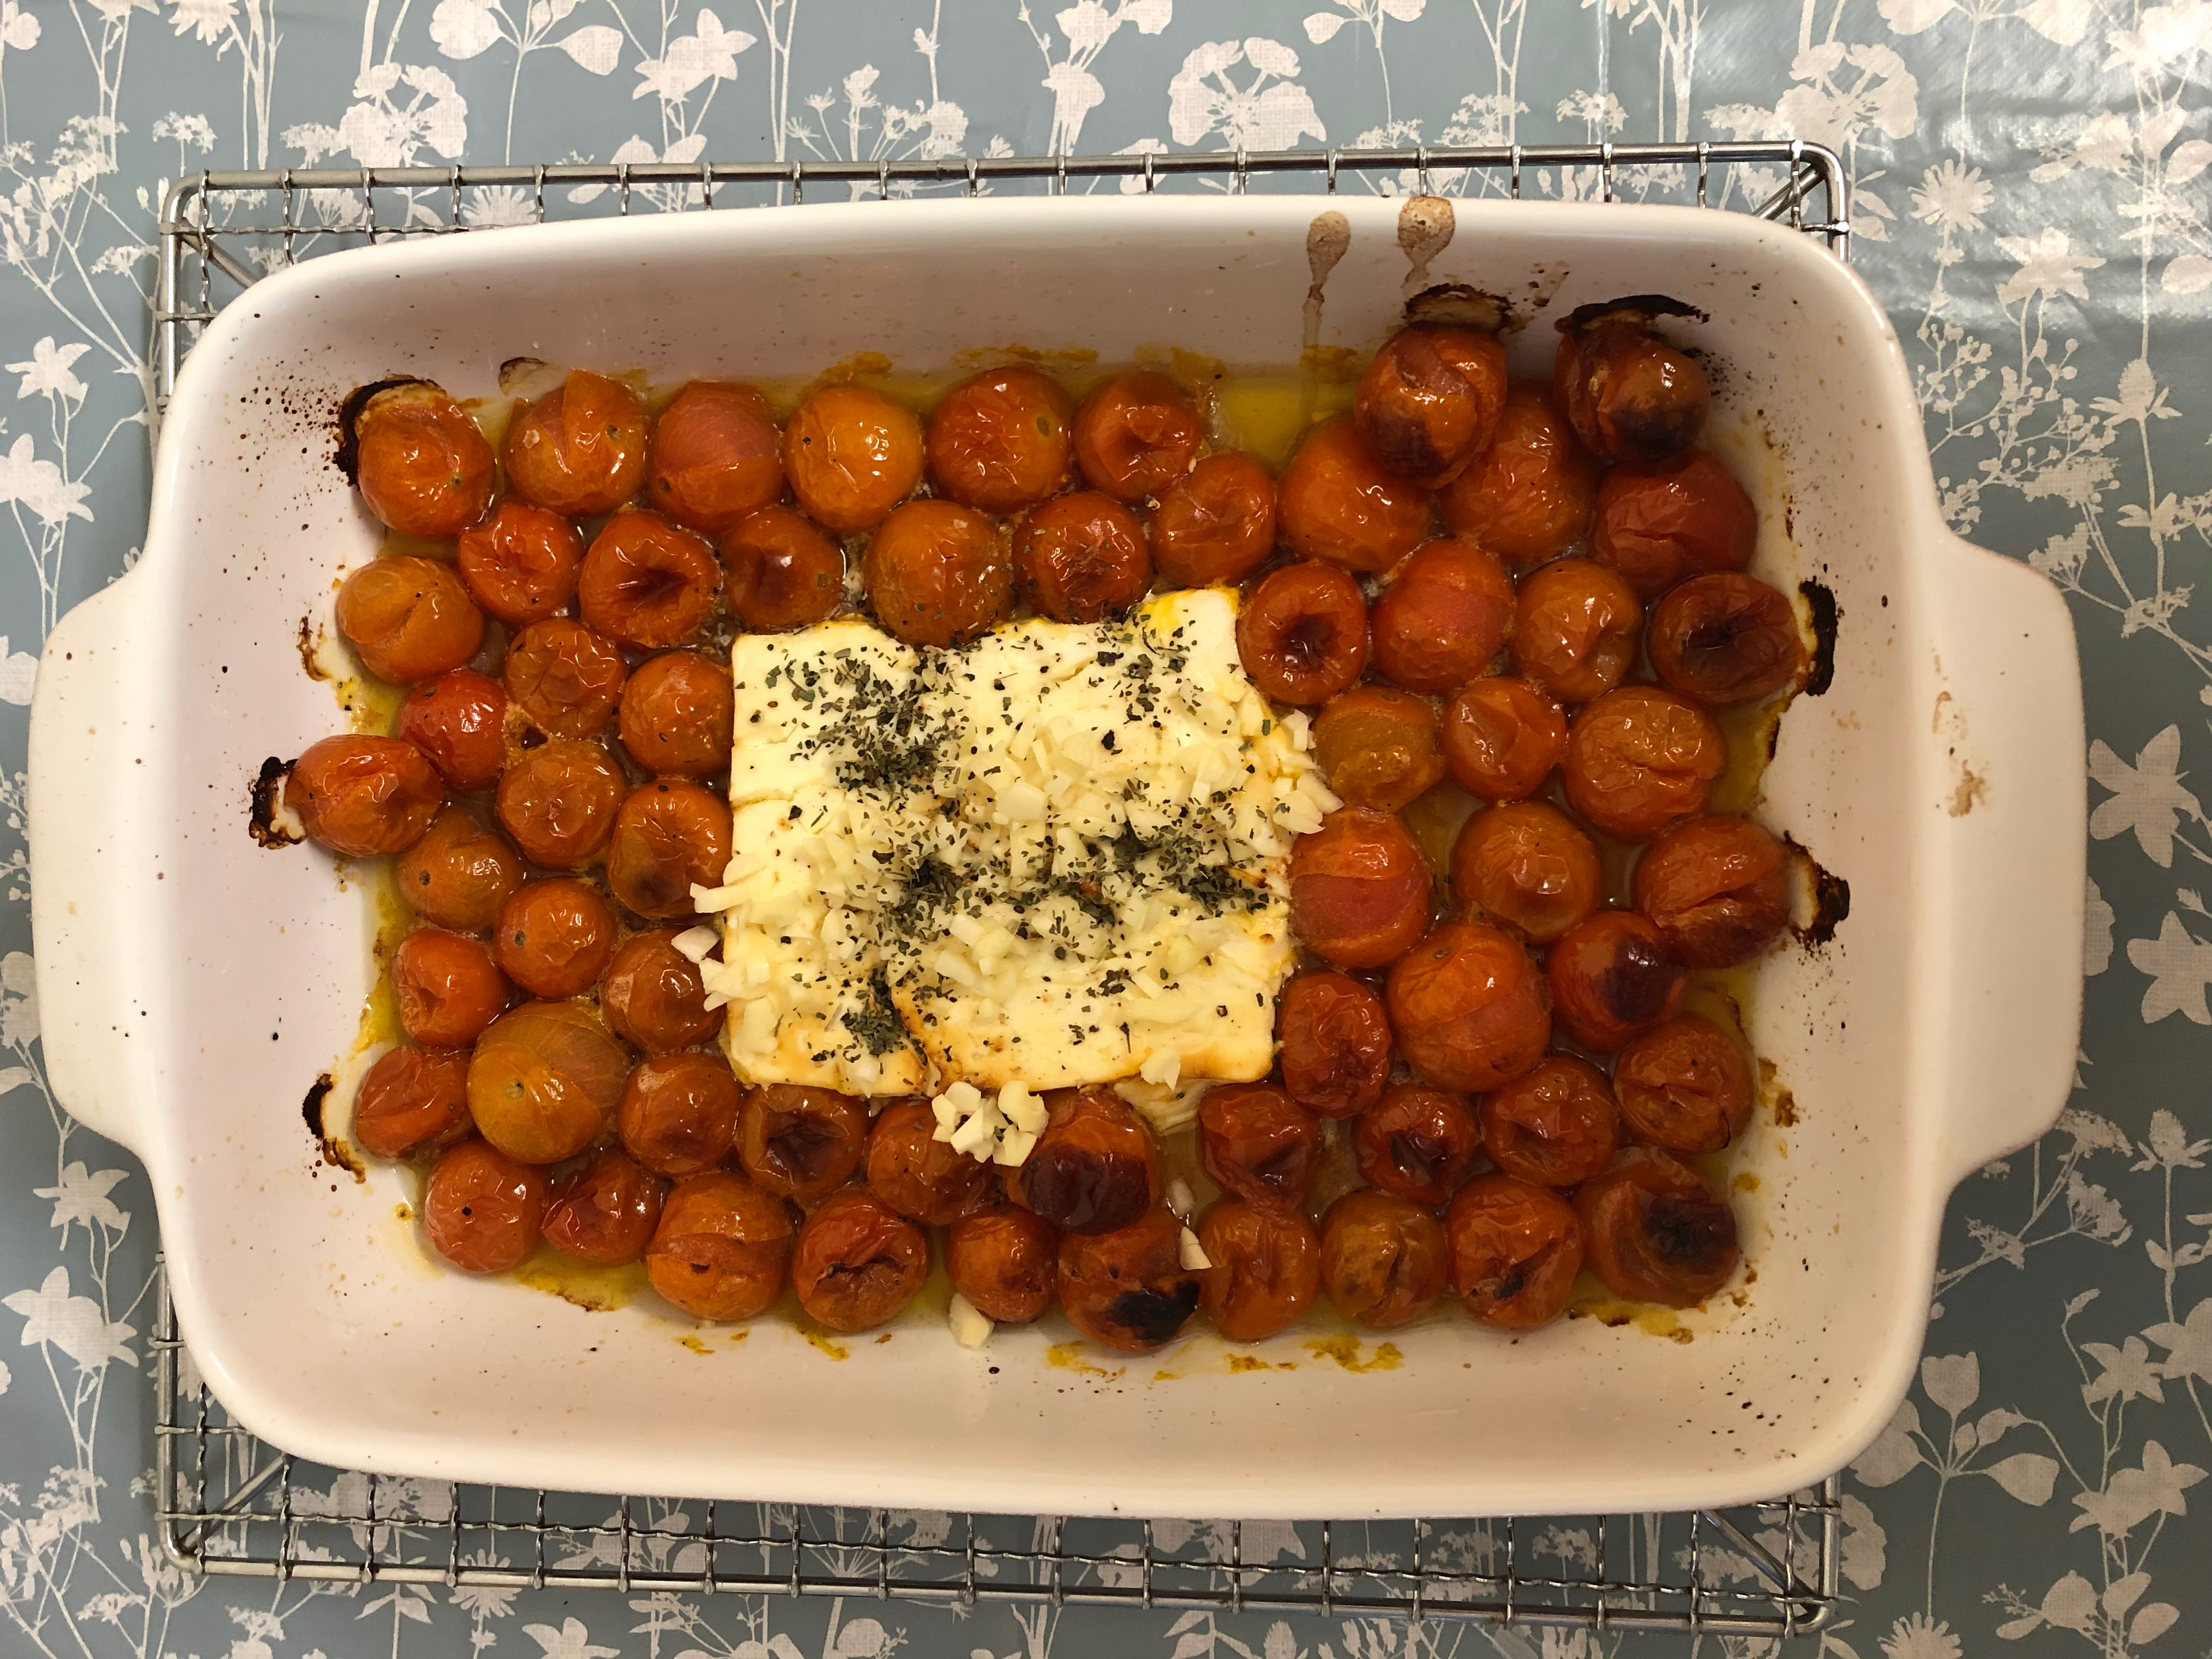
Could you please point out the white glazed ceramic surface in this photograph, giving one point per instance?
(192, 984)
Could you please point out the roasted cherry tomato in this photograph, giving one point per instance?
(1378, 747)
(1334, 1043)
(422, 465)
(545, 1080)
(1529, 495)
(919, 1175)
(520, 564)
(1555, 1126)
(671, 835)
(1726, 638)
(715, 456)
(579, 450)
(554, 937)
(1135, 435)
(459, 720)
(1217, 525)
(1302, 633)
(363, 796)
(1383, 1258)
(679, 1113)
(482, 1208)
(1469, 1008)
(1128, 1288)
(1502, 736)
(1258, 1143)
(459, 874)
(1657, 1229)
(559, 801)
(1684, 1086)
(1631, 396)
(1576, 631)
(1524, 864)
(605, 1211)
(723, 1247)
(1429, 401)
(852, 455)
(1444, 617)
(1265, 1268)
(446, 987)
(1417, 1143)
(1690, 518)
(1718, 888)
(937, 573)
(783, 572)
(677, 712)
(652, 995)
(1612, 975)
(1516, 1249)
(647, 582)
(408, 618)
(411, 1098)
(801, 1143)
(1094, 1167)
(1081, 558)
(564, 678)
(858, 1261)
(1005, 1261)
(1001, 441)
(1336, 502)
(1360, 887)
(1641, 758)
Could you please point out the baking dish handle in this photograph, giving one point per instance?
(90, 722)
(2010, 812)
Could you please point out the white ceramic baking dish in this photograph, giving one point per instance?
(192, 984)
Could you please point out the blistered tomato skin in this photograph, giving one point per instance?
(679, 1113)
(447, 987)
(1302, 633)
(722, 1250)
(783, 572)
(1001, 441)
(520, 564)
(423, 466)
(715, 456)
(648, 583)
(1128, 1288)
(1684, 1086)
(1217, 525)
(1135, 435)
(1333, 1043)
(1265, 1268)
(1359, 888)
(579, 450)
(1576, 632)
(1557, 1125)
(365, 796)
(1094, 1167)
(554, 937)
(1337, 502)
(852, 455)
(1257, 1143)
(558, 801)
(408, 618)
(482, 1208)
(563, 678)
(411, 1098)
(919, 1175)
(1718, 888)
(1378, 747)
(1640, 760)
(1516, 1249)
(1444, 617)
(801, 1143)
(1611, 977)
(1657, 526)
(1417, 1143)
(1384, 1259)
(543, 1081)
(1081, 558)
(1005, 1261)
(1469, 1008)
(605, 1211)
(1726, 638)
(859, 1263)
(459, 720)
(1631, 396)
(671, 835)
(1502, 736)
(937, 573)
(1429, 401)
(1530, 496)
(1525, 864)
(459, 874)
(652, 995)
(1656, 1230)
(678, 711)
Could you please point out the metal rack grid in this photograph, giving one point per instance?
(227, 1504)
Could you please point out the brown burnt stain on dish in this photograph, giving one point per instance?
(859, 363)
(1239, 1363)
(694, 1344)
(334, 1150)
(582, 1283)
(1327, 239)
(1971, 791)
(311, 645)
(1347, 1352)
(266, 799)
(1037, 357)
(1781, 1103)
(1828, 898)
(834, 1350)
(1426, 224)
(1074, 1356)
(1820, 601)
(403, 1212)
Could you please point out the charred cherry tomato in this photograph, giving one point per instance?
(1217, 525)
(408, 618)
(1502, 736)
(677, 712)
(919, 1175)
(1082, 558)
(652, 995)
(1469, 1008)
(482, 1208)
(1094, 1167)
(1576, 631)
(522, 564)
(1336, 502)
(1428, 403)
(1516, 1249)
(1718, 888)
(647, 582)
(800, 1143)
(554, 938)
(678, 1113)
(1128, 1288)
(1684, 1086)
(852, 455)
(559, 801)
(545, 1080)
(459, 720)
(579, 450)
(447, 987)
(1383, 1258)
(1641, 758)
(1612, 975)
(564, 678)
(1555, 1126)
(1301, 634)
(1005, 1261)
(422, 465)
(1726, 638)
(723, 1247)
(1524, 864)
(1689, 519)
(1631, 396)
(1443, 617)
(605, 1211)
(1360, 887)
(1334, 1043)
(363, 796)
(411, 1098)
(1265, 1271)
(1417, 1143)
(783, 572)
(858, 1261)
(1529, 495)
(937, 573)
(459, 874)
(1378, 747)
(715, 456)
(1258, 1143)
(671, 835)
(1135, 435)
(1001, 441)
(1657, 1230)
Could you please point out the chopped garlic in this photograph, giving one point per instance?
(978, 1125)
(1020, 1107)
(696, 944)
(1194, 1258)
(1180, 1198)
(969, 1328)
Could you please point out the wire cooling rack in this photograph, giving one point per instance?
(227, 1504)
